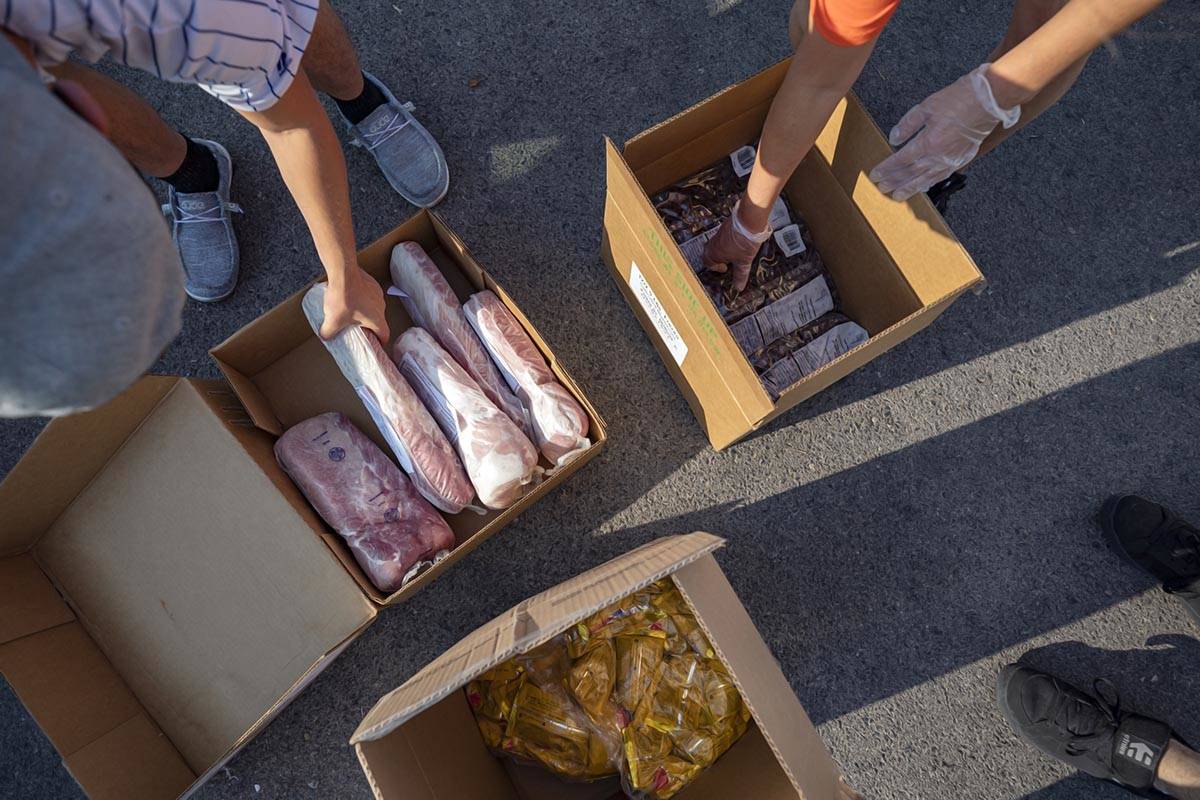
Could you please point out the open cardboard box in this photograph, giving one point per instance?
(162, 592)
(421, 742)
(283, 375)
(896, 265)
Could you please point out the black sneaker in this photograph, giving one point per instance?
(940, 192)
(1161, 544)
(1091, 734)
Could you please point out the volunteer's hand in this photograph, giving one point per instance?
(733, 246)
(945, 130)
(355, 300)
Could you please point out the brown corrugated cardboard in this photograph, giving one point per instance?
(161, 599)
(283, 375)
(421, 742)
(897, 266)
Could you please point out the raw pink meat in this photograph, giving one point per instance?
(414, 437)
(389, 527)
(500, 459)
(434, 306)
(560, 425)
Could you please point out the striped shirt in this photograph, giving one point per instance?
(244, 52)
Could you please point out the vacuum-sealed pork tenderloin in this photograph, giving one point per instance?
(560, 425)
(500, 460)
(434, 306)
(418, 442)
(392, 530)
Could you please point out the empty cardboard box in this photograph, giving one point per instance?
(164, 592)
(421, 741)
(283, 374)
(896, 265)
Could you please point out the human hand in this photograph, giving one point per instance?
(944, 133)
(734, 246)
(357, 299)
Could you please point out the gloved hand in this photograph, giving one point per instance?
(734, 246)
(945, 130)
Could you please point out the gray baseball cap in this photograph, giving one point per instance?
(92, 288)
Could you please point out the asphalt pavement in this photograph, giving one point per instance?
(897, 539)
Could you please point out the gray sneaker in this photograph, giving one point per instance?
(202, 230)
(410, 158)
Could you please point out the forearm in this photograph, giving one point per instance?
(1080, 27)
(309, 157)
(818, 79)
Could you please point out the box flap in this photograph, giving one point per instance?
(200, 582)
(928, 253)
(65, 457)
(28, 601)
(530, 623)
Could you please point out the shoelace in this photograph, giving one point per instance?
(1073, 715)
(210, 214)
(372, 139)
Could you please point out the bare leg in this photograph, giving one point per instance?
(1179, 772)
(1027, 17)
(330, 60)
(136, 129)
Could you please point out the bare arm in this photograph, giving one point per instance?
(1078, 29)
(310, 160)
(820, 76)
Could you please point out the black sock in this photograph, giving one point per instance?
(359, 108)
(198, 172)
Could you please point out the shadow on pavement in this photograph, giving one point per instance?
(882, 577)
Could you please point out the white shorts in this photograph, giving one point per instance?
(244, 52)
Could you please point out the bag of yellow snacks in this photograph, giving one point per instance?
(635, 688)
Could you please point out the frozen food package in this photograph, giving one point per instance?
(431, 302)
(805, 351)
(417, 441)
(560, 425)
(392, 530)
(500, 460)
(641, 670)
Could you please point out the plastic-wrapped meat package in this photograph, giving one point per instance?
(434, 306)
(805, 351)
(560, 425)
(418, 442)
(499, 458)
(392, 530)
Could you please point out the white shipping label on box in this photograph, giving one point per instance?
(829, 346)
(790, 241)
(743, 160)
(657, 314)
(794, 311)
(693, 249)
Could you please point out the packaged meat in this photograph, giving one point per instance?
(434, 306)
(500, 460)
(418, 442)
(560, 425)
(392, 530)
(805, 351)
(640, 672)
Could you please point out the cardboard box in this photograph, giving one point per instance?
(148, 633)
(421, 742)
(896, 265)
(283, 374)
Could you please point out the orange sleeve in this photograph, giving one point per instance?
(850, 23)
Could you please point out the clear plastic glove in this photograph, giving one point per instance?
(946, 130)
(734, 246)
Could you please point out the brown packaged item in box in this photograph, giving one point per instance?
(668, 702)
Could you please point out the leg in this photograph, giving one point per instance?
(330, 60)
(1027, 17)
(1179, 772)
(135, 128)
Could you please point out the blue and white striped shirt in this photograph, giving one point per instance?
(245, 52)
